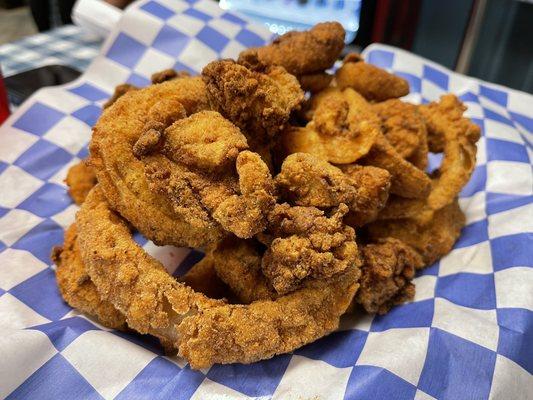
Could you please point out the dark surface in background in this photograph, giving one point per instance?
(504, 51)
(440, 30)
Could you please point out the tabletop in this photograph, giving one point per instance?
(68, 45)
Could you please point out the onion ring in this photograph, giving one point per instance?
(343, 128)
(459, 160)
(121, 176)
(76, 286)
(205, 331)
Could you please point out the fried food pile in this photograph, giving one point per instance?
(307, 191)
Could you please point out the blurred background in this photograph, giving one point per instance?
(488, 39)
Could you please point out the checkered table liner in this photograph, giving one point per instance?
(467, 335)
(68, 45)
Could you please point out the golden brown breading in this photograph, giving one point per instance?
(315, 82)
(445, 119)
(205, 331)
(237, 262)
(407, 180)
(201, 165)
(258, 101)
(122, 176)
(80, 180)
(373, 185)
(374, 83)
(203, 278)
(433, 239)
(301, 53)
(306, 180)
(402, 125)
(76, 286)
(305, 243)
(388, 268)
(168, 74)
(120, 91)
(343, 128)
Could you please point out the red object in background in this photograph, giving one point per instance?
(395, 22)
(4, 105)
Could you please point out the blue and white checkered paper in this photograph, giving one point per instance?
(467, 335)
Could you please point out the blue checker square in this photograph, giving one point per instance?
(190, 260)
(40, 239)
(234, 18)
(498, 202)
(38, 119)
(456, 368)
(436, 76)
(473, 233)
(410, 315)
(255, 380)
(157, 10)
(495, 95)
(47, 201)
(36, 160)
(340, 349)
(88, 114)
(374, 383)
(126, 50)
(477, 182)
(138, 80)
(171, 41)
(516, 336)
(415, 83)
(506, 151)
(468, 290)
(469, 97)
(432, 270)
(524, 120)
(212, 38)
(89, 92)
(511, 251)
(496, 116)
(162, 379)
(56, 379)
(147, 341)
(3, 166)
(182, 67)
(83, 153)
(64, 332)
(383, 58)
(193, 12)
(40, 293)
(248, 38)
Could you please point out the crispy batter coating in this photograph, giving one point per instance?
(402, 125)
(168, 74)
(120, 91)
(122, 176)
(303, 243)
(407, 180)
(203, 278)
(205, 331)
(373, 185)
(343, 128)
(76, 286)
(301, 53)
(237, 262)
(306, 180)
(258, 101)
(202, 167)
(315, 82)
(374, 83)
(444, 118)
(80, 180)
(433, 239)
(386, 274)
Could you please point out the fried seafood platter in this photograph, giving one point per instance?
(307, 190)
